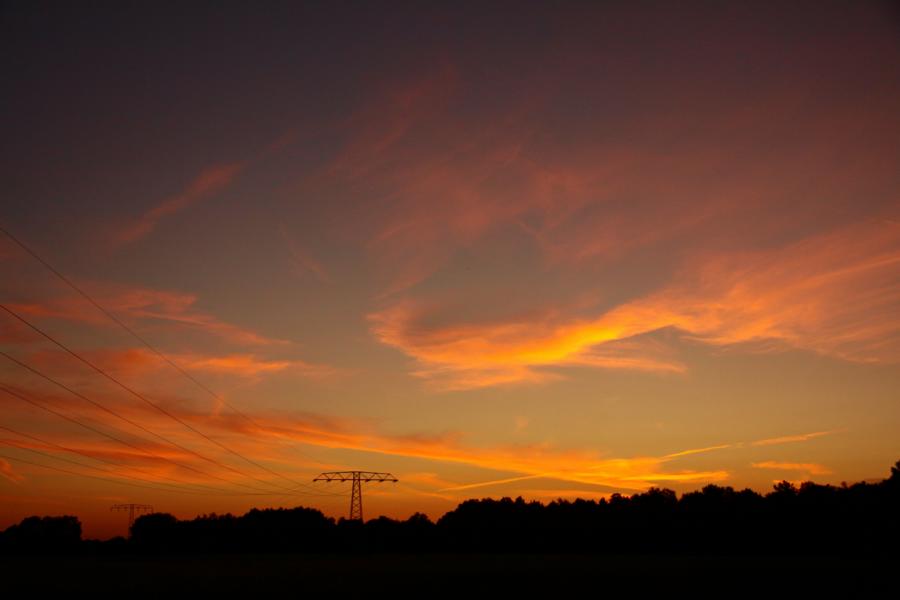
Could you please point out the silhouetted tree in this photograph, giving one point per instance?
(894, 480)
(858, 518)
(42, 534)
(159, 531)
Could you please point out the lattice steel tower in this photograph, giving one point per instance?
(132, 508)
(358, 478)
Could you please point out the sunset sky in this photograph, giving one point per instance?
(495, 249)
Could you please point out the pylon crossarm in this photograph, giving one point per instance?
(358, 478)
(351, 475)
(132, 508)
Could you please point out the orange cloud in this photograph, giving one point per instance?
(176, 307)
(700, 450)
(470, 486)
(145, 458)
(447, 182)
(7, 472)
(787, 439)
(144, 364)
(530, 461)
(249, 365)
(432, 480)
(835, 294)
(147, 306)
(208, 182)
(265, 437)
(125, 462)
(482, 355)
(790, 438)
(811, 468)
(535, 460)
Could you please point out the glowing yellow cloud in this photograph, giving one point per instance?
(835, 294)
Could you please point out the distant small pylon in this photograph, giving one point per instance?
(132, 508)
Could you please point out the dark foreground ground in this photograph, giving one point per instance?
(441, 575)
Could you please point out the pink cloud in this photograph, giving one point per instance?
(148, 306)
(208, 182)
(444, 181)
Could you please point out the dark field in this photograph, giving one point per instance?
(430, 575)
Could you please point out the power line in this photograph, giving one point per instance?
(77, 474)
(94, 467)
(67, 471)
(142, 340)
(130, 422)
(114, 438)
(179, 489)
(86, 455)
(159, 408)
(129, 444)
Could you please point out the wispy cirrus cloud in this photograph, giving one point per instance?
(139, 362)
(126, 459)
(701, 450)
(533, 460)
(471, 486)
(736, 256)
(8, 473)
(303, 259)
(208, 182)
(810, 468)
(379, 128)
(447, 177)
(529, 461)
(467, 356)
(787, 439)
(834, 294)
(265, 436)
(777, 441)
(147, 306)
(250, 365)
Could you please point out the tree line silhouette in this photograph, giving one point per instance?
(862, 518)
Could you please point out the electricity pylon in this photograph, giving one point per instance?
(358, 478)
(132, 508)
